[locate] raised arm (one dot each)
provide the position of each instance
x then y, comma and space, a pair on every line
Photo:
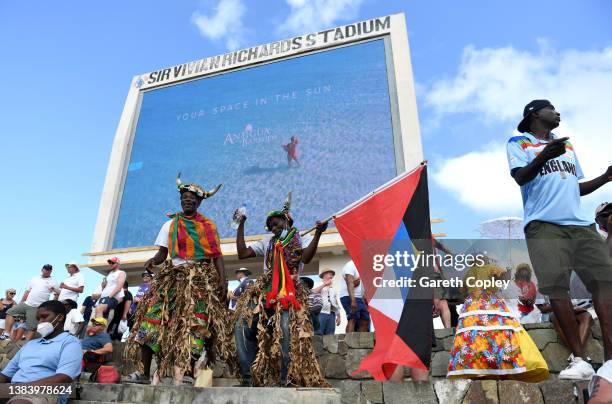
310, 251
244, 252
319, 288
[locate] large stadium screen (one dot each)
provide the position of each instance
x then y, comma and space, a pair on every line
319, 125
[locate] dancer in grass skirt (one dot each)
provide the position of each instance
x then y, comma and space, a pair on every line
184, 313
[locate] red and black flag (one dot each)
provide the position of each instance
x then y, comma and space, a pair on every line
394, 221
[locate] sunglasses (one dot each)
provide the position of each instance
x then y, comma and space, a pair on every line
11, 293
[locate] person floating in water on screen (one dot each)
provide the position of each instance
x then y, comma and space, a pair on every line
273, 331
291, 149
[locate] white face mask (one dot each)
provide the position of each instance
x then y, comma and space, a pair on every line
46, 328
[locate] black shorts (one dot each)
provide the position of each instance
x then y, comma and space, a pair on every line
110, 302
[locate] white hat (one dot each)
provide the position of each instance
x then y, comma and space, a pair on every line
326, 270
72, 263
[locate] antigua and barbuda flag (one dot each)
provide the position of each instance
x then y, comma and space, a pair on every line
394, 220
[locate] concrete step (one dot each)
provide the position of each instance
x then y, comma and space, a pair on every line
439, 390
97, 402
445, 391
133, 393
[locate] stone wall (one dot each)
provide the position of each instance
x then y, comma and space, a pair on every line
339, 356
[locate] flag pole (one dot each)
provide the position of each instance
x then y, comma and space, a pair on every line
360, 200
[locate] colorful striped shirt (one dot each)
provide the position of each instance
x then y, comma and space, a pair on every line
189, 238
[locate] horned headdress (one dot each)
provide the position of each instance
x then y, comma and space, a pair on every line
284, 212
195, 188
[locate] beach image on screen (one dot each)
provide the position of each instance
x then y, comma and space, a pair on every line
318, 125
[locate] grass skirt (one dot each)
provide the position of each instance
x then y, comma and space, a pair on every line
303, 368
182, 315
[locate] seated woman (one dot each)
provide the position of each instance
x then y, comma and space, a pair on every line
52, 359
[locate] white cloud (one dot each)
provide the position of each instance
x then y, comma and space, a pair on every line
313, 15
225, 23
495, 84
480, 179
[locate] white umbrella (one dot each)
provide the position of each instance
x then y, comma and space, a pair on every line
506, 227
503, 228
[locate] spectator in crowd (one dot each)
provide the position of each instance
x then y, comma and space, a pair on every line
5, 305
19, 328
73, 285
37, 292
113, 292
351, 297
242, 276
600, 387
560, 238
543, 304
314, 302
53, 358
97, 340
527, 294
74, 323
583, 311
329, 317
98, 292
89, 304
603, 218
143, 289
97, 345
441, 294
121, 313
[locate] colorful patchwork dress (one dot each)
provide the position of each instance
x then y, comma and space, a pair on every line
176, 318
490, 342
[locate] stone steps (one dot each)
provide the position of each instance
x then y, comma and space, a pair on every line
97, 402
133, 393
461, 392
339, 355
349, 392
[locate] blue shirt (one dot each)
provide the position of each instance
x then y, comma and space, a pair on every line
554, 194
42, 358
96, 341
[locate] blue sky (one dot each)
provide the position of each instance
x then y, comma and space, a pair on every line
66, 69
